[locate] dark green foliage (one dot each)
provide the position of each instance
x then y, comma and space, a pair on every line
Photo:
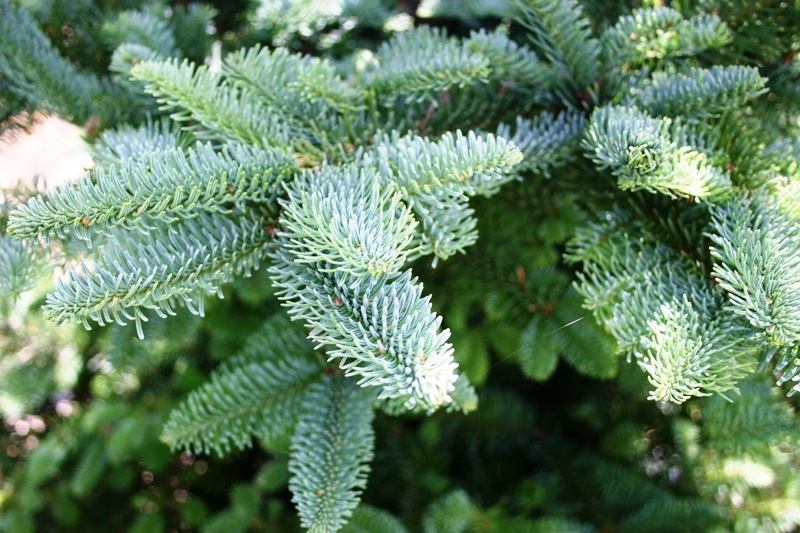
368, 519
68, 48
43, 77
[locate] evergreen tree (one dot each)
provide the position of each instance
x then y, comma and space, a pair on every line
446, 203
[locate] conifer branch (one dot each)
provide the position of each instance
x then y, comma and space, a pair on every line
560, 32
616, 261
192, 25
452, 512
661, 309
468, 164
20, 267
312, 165
518, 67
538, 351
169, 184
124, 58
447, 225
163, 341
116, 146
630, 496
463, 399
172, 263
756, 263
436, 179
309, 20
417, 64
224, 111
701, 93
308, 84
639, 151
785, 151
33, 70
367, 519
584, 344
257, 393
380, 328
468, 11
661, 33
314, 102
758, 427
548, 141
342, 219
331, 451
141, 28
346, 236
689, 354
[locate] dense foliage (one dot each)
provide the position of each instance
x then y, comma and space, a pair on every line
521, 265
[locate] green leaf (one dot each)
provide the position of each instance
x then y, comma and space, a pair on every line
90, 466
582, 343
452, 513
367, 519
45, 460
472, 356
148, 523
538, 349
